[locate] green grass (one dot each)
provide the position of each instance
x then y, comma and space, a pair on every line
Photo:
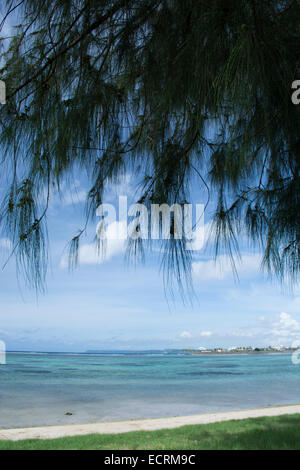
282, 432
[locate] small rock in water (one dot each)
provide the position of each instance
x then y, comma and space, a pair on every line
68, 413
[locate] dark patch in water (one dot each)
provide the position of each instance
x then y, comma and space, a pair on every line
132, 364
212, 373
24, 366
223, 366
34, 371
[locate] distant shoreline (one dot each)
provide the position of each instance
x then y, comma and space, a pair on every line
179, 353
232, 353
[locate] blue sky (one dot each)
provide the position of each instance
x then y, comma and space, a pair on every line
107, 304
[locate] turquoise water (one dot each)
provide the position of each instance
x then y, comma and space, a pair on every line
40, 389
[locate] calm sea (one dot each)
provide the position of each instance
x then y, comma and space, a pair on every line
38, 389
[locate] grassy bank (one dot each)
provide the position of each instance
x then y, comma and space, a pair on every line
281, 432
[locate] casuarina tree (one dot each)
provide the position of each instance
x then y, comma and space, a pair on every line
170, 91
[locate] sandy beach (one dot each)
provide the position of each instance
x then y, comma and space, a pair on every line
51, 432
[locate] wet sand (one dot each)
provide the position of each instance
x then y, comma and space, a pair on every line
51, 432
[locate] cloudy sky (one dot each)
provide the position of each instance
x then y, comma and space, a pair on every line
109, 304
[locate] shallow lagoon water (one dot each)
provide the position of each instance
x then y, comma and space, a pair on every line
38, 389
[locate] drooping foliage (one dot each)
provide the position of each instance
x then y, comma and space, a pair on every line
167, 89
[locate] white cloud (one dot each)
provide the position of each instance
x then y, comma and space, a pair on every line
243, 333
66, 195
5, 244
112, 246
203, 334
221, 269
206, 333
185, 334
282, 329
201, 236
124, 186
286, 326
74, 196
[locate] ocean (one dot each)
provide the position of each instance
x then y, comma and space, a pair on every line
39, 388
